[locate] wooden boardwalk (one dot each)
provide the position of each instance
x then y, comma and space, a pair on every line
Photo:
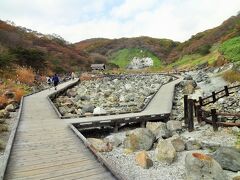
46, 148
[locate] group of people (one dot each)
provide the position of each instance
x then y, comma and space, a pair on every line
54, 80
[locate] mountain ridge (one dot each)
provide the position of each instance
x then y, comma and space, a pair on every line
25, 47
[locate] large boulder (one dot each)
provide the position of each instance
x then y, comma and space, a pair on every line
177, 143
114, 140
165, 151
4, 113
159, 129
174, 125
142, 159
200, 166
139, 139
228, 158
100, 145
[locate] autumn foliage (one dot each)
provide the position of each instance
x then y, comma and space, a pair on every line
19, 92
25, 75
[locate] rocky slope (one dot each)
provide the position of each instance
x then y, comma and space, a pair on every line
127, 93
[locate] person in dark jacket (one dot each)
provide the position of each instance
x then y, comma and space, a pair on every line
55, 80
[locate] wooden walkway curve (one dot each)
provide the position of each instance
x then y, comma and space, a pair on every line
160, 104
46, 148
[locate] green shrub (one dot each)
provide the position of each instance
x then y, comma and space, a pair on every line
204, 50
6, 59
30, 57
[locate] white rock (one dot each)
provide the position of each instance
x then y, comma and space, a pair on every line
99, 110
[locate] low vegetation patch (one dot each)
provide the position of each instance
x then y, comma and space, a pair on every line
192, 60
231, 49
25, 75
123, 57
232, 76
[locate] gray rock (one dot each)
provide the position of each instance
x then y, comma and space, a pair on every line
139, 139
99, 111
114, 140
159, 129
100, 145
165, 151
71, 93
4, 114
193, 144
188, 77
10, 108
200, 166
235, 129
177, 143
174, 125
88, 108
63, 110
84, 98
228, 158
143, 160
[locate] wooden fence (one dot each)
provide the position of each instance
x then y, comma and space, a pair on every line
194, 108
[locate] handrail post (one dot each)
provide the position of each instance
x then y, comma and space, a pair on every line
186, 110
195, 107
190, 115
214, 119
115, 127
226, 90
214, 97
200, 101
199, 114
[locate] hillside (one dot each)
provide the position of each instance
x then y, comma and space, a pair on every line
122, 57
199, 47
106, 47
51, 53
43, 53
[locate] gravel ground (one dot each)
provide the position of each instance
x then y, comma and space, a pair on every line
125, 163
205, 134
4, 136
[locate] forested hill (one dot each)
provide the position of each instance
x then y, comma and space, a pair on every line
24, 47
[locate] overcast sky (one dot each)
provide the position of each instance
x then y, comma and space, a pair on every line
77, 20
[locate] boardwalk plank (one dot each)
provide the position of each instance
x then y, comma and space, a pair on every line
45, 147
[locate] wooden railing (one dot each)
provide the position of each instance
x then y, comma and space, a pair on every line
194, 108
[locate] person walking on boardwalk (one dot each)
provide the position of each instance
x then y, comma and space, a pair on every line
73, 75
55, 80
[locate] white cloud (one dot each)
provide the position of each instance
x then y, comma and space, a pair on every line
76, 20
